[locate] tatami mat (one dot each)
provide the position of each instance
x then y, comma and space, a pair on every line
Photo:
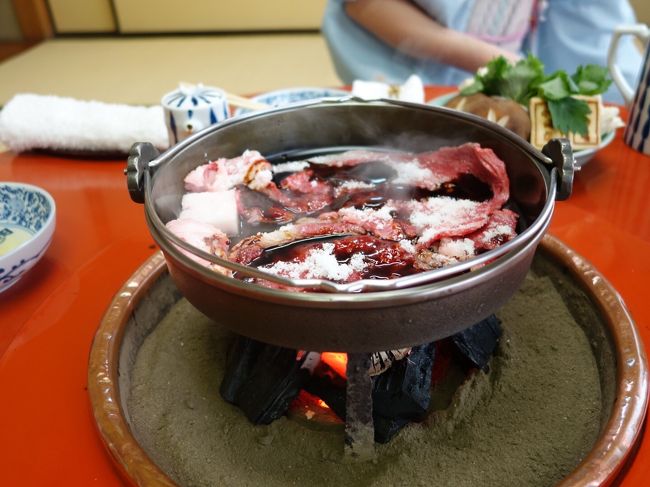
141, 70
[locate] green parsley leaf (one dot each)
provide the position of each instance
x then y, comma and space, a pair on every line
492, 80
591, 79
557, 86
522, 79
570, 115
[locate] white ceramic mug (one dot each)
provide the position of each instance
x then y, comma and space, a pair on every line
637, 130
191, 108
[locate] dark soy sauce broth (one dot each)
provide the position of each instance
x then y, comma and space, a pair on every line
385, 259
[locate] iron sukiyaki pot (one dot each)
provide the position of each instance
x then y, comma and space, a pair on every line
350, 225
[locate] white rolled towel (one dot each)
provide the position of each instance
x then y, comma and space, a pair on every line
29, 122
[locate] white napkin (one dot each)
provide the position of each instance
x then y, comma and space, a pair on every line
31, 121
412, 90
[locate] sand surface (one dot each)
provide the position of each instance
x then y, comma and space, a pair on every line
526, 423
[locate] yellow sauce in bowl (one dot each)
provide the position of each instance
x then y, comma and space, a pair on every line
11, 237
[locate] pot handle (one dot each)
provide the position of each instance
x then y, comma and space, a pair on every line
560, 153
140, 155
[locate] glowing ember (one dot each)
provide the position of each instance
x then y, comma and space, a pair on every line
312, 410
337, 361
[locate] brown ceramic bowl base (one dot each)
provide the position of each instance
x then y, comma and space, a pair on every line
149, 295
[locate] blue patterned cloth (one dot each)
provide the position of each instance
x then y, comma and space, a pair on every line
569, 33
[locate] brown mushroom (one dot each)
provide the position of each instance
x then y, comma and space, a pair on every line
507, 113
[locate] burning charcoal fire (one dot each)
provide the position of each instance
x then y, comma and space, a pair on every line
263, 379
330, 391
478, 342
400, 393
266, 382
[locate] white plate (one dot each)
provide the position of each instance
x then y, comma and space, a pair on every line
581, 157
288, 96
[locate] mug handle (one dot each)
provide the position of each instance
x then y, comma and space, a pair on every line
638, 30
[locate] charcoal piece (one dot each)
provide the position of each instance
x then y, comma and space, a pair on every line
386, 428
329, 391
400, 395
242, 356
266, 381
478, 342
403, 391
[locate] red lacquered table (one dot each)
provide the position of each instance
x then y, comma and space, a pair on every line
48, 319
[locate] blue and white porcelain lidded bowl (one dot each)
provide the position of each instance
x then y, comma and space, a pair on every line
27, 221
192, 108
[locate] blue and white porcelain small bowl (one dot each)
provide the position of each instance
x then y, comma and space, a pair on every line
191, 108
27, 221
288, 96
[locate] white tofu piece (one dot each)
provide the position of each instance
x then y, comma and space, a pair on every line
218, 208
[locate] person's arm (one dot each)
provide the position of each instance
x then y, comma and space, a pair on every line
402, 25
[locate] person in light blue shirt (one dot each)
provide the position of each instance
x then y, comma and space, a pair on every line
446, 41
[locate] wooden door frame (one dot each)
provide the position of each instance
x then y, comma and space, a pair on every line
34, 19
